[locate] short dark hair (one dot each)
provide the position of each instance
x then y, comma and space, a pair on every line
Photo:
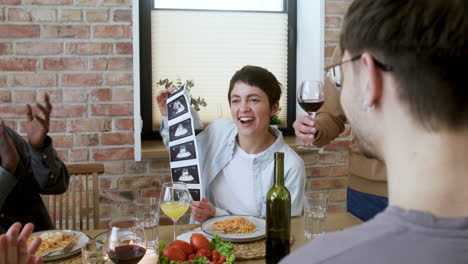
426, 43
259, 77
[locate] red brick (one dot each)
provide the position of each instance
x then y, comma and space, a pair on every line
81, 79
333, 22
2, 16
117, 196
10, 2
87, 140
329, 50
63, 154
2, 80
90, 125
25, 96
115, 167
337, 196
113, 154
338, 145
138, 182
117, 138
336, 8
107, 183
96, 15
332, 35
112, 31
124, 48
75, 95
89, 48
137, 167
79, 155
102, 94
123, 15
38, 48
117, 2
62, 141
327, 158
339, 171
65, 31
124, 124
112, 109
342, 157
328, 184
316, 172
64, 64
6, 48
55, 95
49, 2
118, 78
73, 15
5, 96
19, 31
8, 111
109, 211
159, 165
112, 64
11, 124
68, 110
152, 192
310, 158
123, 94
18, 64
336, 208
35, 79
57, 126
18, 14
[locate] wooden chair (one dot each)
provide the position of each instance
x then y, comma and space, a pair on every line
78, 207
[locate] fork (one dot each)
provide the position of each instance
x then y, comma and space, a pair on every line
66, 249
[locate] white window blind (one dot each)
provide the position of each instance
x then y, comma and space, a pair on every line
209, 46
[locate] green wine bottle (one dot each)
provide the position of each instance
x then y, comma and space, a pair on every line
278, 216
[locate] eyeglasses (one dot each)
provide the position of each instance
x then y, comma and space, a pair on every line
334, 71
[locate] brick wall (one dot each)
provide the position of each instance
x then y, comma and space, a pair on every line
80, 52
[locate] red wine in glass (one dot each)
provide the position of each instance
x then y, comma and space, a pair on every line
127, 254
311, 105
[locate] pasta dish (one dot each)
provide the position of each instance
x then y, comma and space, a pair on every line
53, 240
236, 225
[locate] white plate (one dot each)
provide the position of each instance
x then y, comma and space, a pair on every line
83, 239
207, 227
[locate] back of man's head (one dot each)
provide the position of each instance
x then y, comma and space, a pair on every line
426, 43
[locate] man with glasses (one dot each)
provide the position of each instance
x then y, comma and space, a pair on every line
367, 180
404, 92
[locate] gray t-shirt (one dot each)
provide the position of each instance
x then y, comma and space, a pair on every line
393, 236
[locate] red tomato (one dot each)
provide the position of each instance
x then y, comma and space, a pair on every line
222, 259
199, 241
184, 246
204, 253
215, 255
173, 253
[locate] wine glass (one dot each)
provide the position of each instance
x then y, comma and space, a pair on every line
175, 200
126, 241
310, 97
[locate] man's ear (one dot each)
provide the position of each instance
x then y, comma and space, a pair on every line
373, 90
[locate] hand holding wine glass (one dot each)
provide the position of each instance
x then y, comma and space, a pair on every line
310, 97
175, 200
126, 242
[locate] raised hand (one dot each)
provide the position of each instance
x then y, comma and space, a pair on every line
9, 157
161, 99
202, 210
305, 128
14, 248
38, 125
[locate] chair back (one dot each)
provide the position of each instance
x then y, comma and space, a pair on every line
78, 207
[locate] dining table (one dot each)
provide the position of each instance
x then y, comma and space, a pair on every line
334, 222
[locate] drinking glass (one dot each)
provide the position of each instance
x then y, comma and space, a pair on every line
126, 241
175, 200
94, 252
315, 209
310, 97
147, 212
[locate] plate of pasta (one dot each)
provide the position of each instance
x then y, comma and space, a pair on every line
235, 228
54, 240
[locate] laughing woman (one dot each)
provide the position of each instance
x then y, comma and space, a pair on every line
237, 156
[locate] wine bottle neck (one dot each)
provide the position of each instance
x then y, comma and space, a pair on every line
279, 173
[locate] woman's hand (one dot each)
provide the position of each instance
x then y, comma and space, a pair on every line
14, 248
202, 210
161, 99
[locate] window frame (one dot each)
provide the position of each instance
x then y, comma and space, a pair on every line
146, 91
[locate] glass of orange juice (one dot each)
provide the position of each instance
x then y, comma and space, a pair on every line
175, 200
